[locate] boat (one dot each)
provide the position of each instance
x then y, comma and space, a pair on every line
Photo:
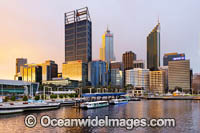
118, 101
9, 108
11, 111
134, 99
97, 104
64, 102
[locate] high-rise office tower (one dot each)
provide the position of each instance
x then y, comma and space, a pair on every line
116, 78
179, 75
157, 82
128, 59
19, 62
138, 77
97, 73
75, 70
153, 48
49, 70
172, 57
107, 48
31, 72
78, 35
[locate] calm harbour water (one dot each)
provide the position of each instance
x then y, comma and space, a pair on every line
186, 113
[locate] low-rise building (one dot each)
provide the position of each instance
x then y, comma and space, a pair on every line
17, 88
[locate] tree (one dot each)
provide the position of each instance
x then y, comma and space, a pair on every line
25, 98
13, 98
37, 97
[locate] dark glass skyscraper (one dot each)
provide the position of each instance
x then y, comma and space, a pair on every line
153, 48
78, 35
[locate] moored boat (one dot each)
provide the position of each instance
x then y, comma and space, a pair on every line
118, 101
21, 107
97, 104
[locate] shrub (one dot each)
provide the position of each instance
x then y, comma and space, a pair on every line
53, 96
6, 99
25, 98
61, 95
37, 97
73, 95
13, 98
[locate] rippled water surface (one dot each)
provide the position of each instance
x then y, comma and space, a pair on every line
186, 113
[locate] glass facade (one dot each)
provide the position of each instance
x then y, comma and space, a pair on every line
13, 87
97, 73
75, 70
78, 36
32, 73
107, 49
49, 70
138, 77
116, 77
153, 48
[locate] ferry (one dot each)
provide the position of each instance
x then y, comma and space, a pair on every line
118, 101
97, 104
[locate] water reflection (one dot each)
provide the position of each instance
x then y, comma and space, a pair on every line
186, 114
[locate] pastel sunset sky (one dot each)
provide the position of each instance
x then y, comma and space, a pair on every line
34, 29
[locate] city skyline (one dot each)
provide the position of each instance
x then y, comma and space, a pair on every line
33, 46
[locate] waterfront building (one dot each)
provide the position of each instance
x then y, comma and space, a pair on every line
172, 57
19, 62
179, 75
49, 70
17, 88
128, 59
78, 35
107, 48
138, 78
153, 48
116, 78
138, 64
97, 73
75, 70
157, 82
31, 72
